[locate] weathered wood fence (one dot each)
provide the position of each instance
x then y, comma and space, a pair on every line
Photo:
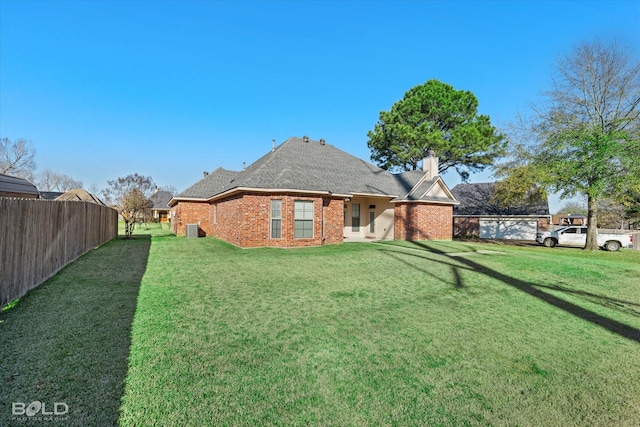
40, 237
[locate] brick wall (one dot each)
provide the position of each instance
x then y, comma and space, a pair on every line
245, 220
417, 221
466, 227
189, 213
333, 220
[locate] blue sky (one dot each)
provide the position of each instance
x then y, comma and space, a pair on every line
171, 89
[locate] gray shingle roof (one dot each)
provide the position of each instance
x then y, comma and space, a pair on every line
10, 185
475, 199
307, 166
160, 199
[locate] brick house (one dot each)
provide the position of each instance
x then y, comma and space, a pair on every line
479, 216
309, 193
160, 205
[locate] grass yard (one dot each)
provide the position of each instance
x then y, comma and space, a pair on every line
169, 331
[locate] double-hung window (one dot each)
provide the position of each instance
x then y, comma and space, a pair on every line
303, 219
276, 219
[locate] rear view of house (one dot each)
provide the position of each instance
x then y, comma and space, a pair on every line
309, 193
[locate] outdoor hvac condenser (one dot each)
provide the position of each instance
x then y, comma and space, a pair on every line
192, 231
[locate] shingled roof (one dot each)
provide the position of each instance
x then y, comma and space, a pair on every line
79, 195
475, 200
160, 200
307, 165
11, 186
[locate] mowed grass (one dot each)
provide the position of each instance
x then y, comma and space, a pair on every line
425, 333
441, 333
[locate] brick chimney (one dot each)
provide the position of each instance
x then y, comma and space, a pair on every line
430, 164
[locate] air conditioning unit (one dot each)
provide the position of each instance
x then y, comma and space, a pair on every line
192, 231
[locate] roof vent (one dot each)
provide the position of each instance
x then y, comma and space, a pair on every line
322, 141
205, 173
305, 138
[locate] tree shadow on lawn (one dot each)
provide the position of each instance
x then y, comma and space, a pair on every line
535, 290
67, 341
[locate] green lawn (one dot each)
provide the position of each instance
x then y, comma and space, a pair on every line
167, 331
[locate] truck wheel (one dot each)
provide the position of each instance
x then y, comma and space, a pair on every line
612, 246
549, 242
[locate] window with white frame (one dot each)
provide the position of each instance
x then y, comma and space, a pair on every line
303, 219
276, 219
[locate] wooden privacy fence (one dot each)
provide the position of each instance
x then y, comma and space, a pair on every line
40, 237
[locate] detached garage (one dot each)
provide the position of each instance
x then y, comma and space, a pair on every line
508, 228
479, 216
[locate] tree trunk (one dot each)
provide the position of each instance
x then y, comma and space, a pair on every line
128, 229
592, 224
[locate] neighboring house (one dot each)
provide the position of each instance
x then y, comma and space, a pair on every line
569, 219
11, 186
79, 195
50, 195
309, 193
478, 215
160, 205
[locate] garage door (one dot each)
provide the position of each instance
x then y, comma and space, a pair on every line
508, 229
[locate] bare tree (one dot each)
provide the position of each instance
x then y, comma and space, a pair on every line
16, 158
573, 207
169, 189
51, 181
130, 196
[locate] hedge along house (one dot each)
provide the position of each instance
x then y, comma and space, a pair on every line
309, 193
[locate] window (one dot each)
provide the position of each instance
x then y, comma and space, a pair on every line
276, 219
372, 222
355, 217
303, 219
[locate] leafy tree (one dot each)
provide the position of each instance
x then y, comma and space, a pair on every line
435, 116
16, 158
632, 211
130, 196
573, 208
612, 214
585, 140
51, 181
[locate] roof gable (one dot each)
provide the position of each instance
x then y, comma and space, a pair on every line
79, 195
476, 199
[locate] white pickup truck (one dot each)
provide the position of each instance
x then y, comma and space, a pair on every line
577, 236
